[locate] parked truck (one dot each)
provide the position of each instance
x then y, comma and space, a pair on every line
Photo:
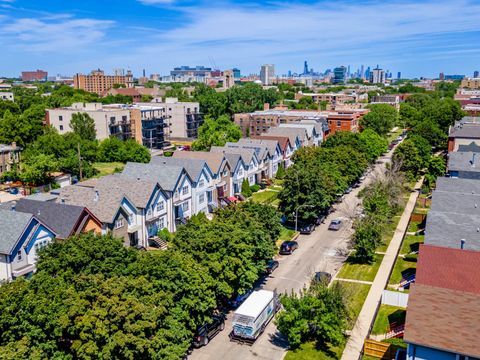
253, 316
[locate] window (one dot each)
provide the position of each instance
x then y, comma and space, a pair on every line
61, 127
240, 172
149, 212
119, 223
19, 255
185, 206
251, 179
131, 219
201, 183
161, 223
60, 118
224, 173
185, 190
124, 118
339, 123
160, 206
201, 199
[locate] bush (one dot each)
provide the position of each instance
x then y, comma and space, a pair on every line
168, 153
255, 188
280, 175
246, 191
411, 257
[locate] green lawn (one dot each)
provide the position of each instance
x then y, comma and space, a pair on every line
386, 315
285, 234
265, 197
401, 267
355, 295
413, 226
107, 168
411, 243
388, 232
309, 351
365, 272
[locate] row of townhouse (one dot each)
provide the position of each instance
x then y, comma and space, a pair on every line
143, 199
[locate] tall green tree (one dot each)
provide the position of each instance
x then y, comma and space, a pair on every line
216, 132
84, 126
381, 118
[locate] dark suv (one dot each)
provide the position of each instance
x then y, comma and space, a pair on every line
208, 331
288, 247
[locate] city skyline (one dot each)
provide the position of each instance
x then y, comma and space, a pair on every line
418, 39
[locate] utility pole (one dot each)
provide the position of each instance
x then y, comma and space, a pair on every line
80, 162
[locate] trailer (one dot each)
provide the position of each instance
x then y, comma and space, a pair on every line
253, 316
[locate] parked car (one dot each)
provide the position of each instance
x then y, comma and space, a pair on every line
362, 178
271, 266
322, 277
305, 228
320, 220
288, 247
207, 331
357, 184
335, 224
349, 190
239, 299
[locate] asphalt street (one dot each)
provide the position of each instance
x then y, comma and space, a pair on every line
323, 250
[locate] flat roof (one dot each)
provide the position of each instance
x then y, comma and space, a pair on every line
255, 303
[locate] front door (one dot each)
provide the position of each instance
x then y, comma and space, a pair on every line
133, 238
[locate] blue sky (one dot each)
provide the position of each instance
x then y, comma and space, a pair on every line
418, 38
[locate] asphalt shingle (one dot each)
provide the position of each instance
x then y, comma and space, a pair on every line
12, 226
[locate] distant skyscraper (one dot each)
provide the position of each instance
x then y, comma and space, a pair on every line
362, 72
289, 73
236, 73
339, 74
305, 68
399, 75
348, 71
476, 74
377, 76
441, 76
267, 73
367, 73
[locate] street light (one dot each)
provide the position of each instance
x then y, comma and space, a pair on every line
296, 214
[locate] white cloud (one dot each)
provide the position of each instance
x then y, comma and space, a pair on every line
58, 32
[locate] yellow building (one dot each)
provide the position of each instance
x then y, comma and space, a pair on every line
99, 83
471, 83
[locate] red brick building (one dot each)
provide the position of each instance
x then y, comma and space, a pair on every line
38, 75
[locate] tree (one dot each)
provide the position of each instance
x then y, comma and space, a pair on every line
374, 143
15, 128
318, 314
246, 191
408, 157
365, 240
216, 132
84, 126
381, 118
280, 175
38, 168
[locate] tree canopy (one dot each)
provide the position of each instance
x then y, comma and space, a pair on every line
84, 126
381, 118
216, 132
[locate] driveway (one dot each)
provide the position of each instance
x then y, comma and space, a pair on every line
323, 250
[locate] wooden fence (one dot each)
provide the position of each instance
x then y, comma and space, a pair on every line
379, 350
416, 217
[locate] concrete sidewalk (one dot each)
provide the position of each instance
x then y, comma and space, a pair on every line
354, 346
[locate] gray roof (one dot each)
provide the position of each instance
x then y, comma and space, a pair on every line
246, 154
12, 226
166, 175
262, 152
458, 185
472, 147
233, 160
194, 167
447, 229
454, 202
138, 191
41, 197
469, 131
292, 134
464, 161
61, 218
310, 128
213, 160
271, 145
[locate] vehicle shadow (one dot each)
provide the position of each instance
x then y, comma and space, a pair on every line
278, 339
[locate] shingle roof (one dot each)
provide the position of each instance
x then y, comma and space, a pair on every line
310, 128
262, 152
138, 191
282, 140
464, 161
194, 167
458, 185
214, 160
270, 144
292, 134
443, 319
472, 147
448, 268
447, 229
61, 218
12, 225
468, 131
166, 175
246, 154
460, 203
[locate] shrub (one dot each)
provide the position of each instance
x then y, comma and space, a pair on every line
246, 191
280, 175
254, 188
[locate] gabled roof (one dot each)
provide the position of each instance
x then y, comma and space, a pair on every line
293, 135
443, 319
310, 128
61, 218
247, 154
283, 141
105, 208
194, 167
464, 161
454, 269
472, 147
139, 191
167, 176
270, 144
214, 160
12, 225
262, 152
